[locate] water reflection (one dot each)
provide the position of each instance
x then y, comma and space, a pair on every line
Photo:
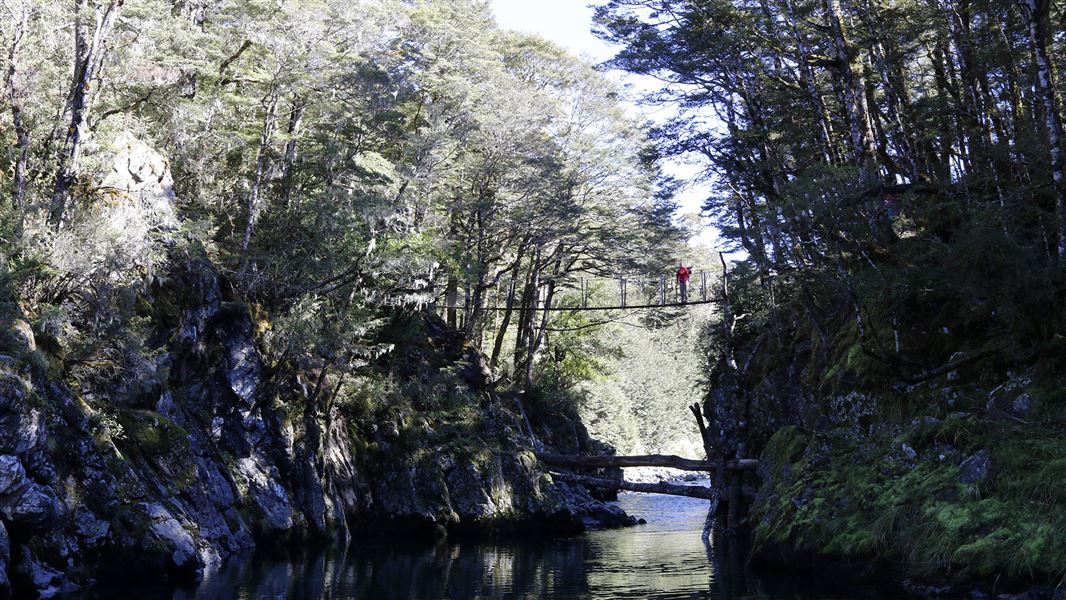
664, 559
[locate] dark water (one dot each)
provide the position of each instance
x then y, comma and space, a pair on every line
663, 559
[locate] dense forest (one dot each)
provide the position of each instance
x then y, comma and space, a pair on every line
897, 158
894, 171
273, 270
330, 158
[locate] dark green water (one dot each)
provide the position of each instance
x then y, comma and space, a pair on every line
663, 559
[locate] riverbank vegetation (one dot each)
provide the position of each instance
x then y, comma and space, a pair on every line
893, 172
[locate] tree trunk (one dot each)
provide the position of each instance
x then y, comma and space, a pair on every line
88, 56
22, 132
705, 434
904, 138
1018, 114
527, 308
451, 301
824, 125
1035, 14
854, 98
945, 121
537, 339
497, 346
254, 205
296, 113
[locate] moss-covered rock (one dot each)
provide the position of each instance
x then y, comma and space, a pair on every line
146, 432
901, 497
222, 453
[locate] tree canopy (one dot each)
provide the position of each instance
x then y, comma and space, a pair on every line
332, 157
890, 168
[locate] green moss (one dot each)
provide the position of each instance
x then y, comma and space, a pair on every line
864, 500
260, 319
149, 433
784, 447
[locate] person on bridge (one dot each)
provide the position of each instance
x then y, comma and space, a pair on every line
683, 274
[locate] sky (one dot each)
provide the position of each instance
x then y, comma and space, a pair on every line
569, 24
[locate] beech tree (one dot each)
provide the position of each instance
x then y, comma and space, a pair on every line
91, 38
332, 157
877, 161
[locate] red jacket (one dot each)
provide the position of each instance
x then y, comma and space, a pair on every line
683, 274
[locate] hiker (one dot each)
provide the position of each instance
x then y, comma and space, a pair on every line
683, 274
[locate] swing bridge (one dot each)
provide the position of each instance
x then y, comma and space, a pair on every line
597, 294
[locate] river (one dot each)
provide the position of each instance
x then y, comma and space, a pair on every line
663, 559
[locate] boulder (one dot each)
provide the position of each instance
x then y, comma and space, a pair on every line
909, 453
924, 420
602, 515
169, 532
975, 468
467, 492
13, 393
852, 409
1022, 404
263, 490
22, 501
143, 176
90, 529
24, 334
46, 581
11, 473
236, 333
199, 283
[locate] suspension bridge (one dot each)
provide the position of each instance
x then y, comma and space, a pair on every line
624, 292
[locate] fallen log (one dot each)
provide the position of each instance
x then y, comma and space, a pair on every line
642, 460
672, 489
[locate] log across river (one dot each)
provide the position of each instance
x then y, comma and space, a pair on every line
670, 489
643, 460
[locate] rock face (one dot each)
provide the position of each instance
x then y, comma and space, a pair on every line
214, 455
23, 503
142, 175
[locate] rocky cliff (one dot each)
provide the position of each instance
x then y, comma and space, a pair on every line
209, 451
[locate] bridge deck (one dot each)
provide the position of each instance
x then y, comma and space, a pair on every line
585, 308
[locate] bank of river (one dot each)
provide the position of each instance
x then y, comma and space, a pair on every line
663, 559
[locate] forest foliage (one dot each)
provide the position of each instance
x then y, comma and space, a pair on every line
332, 158
891, 168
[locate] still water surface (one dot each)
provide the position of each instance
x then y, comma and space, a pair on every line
663, 559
